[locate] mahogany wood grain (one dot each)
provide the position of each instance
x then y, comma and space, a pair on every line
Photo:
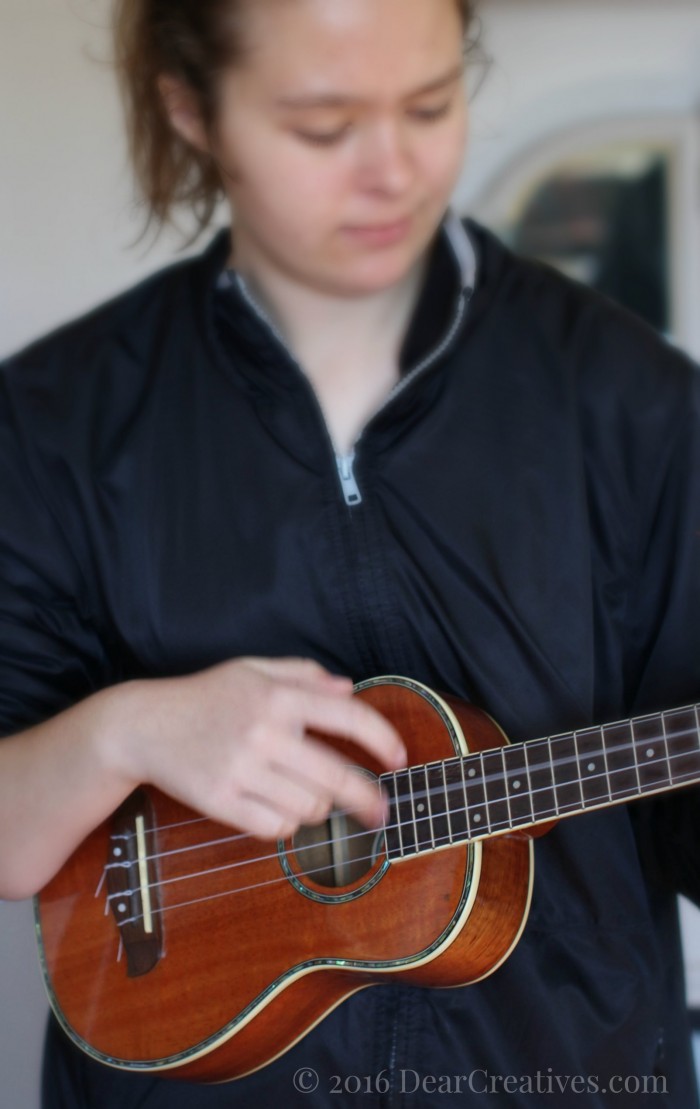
242, 975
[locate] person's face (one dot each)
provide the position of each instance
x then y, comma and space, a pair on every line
341, 135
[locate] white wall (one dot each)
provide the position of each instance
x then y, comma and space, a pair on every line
68, 218
65, 192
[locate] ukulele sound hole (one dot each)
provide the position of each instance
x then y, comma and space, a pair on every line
338, 852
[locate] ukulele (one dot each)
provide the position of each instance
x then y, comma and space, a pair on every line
175, 945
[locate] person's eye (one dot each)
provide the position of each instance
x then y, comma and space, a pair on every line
323, 138
429, 115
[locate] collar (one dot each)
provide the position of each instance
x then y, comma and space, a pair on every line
462, 248
450, 281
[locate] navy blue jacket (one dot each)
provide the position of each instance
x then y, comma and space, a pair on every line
524, 533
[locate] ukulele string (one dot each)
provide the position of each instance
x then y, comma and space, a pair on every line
543, 742
167, 827
416, 794
485, 778
284, 878
492, 828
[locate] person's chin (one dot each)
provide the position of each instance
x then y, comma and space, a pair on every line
369, 283
371, 271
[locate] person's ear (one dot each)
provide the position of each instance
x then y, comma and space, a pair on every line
180, 102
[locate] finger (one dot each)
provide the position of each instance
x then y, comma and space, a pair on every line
300, 799
353, 719
332, 779
256, 816
363, 797
301, 671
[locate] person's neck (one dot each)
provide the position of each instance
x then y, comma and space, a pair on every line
317, 324
348, 346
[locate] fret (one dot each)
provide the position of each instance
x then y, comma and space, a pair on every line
464, 797
518, 785
404, 808
577, 755
605, 760
681, 729
412, 810
541, 781
567, 787
651, 753
620, 760
504, 780
429, 805
477, 811
634, 756
551, 768
498, 816
421, 821
506, 789
392, 832
456, 800
447, 805
435, 778
595, 787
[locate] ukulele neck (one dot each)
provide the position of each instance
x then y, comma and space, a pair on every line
523, 785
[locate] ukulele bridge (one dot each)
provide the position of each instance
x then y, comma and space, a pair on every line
132, 884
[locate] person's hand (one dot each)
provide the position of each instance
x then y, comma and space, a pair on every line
233, 743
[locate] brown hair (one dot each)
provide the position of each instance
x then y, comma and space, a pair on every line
193, 40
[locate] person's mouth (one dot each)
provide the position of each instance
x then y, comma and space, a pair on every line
379, 234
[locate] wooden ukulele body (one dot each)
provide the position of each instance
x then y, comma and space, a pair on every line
248, 952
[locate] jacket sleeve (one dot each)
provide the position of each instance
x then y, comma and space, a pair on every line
51, 651
663, 648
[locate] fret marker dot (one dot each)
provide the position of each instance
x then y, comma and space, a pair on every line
122, 907
516, 785
650, 753
591, 767
477, 818
117, 852
472, 773
420, 807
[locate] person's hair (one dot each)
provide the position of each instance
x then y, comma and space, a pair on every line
193, 41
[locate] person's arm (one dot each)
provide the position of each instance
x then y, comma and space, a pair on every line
232, 742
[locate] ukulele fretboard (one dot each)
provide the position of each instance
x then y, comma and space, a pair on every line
523, 784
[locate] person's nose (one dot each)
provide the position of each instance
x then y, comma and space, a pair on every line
386, 163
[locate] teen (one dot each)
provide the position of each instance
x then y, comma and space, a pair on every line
351, 438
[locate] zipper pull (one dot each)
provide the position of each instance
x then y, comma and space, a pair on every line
351, 490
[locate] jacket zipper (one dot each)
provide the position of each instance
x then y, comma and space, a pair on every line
345, 463
348, 482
